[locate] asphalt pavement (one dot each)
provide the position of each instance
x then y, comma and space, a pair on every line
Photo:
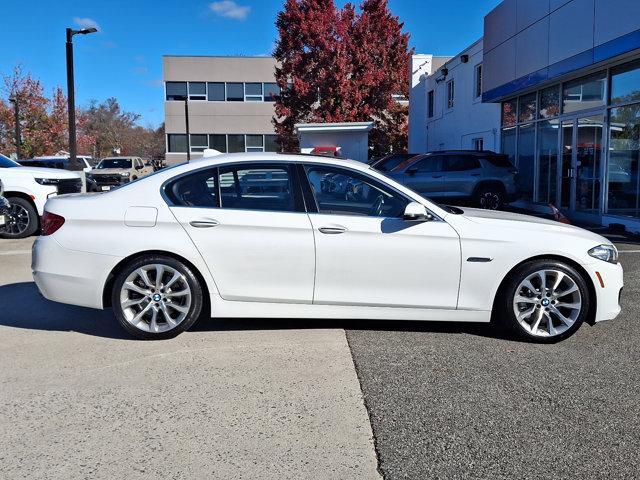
228, 400
461, 402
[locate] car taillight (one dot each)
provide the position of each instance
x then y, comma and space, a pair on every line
51, 223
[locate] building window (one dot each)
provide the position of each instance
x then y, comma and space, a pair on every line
235, 143
625, 83
549, 102
271, 143
585, 93
430, 104
271, 92
255, 143
235, 92
197, 91
177, 143
215, 92
218, 142
253, 92
510, 113
176, 90
526, 158
451, 93
527, 108
478, 144
624, 161
478, 81
199, 142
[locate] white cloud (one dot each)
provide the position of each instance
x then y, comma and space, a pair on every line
230, 9
86, 22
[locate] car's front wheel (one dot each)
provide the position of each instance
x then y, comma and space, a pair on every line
490, 198
156, 297
22, 220
544, 301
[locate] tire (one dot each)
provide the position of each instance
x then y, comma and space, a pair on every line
490, 197
23, 220
570, 299
158, 299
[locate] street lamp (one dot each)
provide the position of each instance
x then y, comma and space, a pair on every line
71, 101
16, 114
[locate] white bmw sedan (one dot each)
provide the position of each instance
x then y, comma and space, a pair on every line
296, 236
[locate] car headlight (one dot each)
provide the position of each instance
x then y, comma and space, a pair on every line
125, 174
606, 253
47, 181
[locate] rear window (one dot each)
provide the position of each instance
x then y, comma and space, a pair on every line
499, 161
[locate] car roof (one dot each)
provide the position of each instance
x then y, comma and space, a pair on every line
120, 158
465, 152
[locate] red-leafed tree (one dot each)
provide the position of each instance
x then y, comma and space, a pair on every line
340, 65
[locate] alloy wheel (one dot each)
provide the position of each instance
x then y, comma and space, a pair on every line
17, 220
155, 298
490, 201
547, 303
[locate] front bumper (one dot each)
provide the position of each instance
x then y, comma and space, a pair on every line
607, 297
69, 276
108, 182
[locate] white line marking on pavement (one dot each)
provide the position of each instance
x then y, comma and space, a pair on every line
15, 252
628, 251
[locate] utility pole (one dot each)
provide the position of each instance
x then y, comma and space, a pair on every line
186, 122
16, 120
71, 101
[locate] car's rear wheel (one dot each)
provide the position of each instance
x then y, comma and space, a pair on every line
22, 220
544, 301
156, 297
490, 197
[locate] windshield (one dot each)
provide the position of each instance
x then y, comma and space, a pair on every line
7, 162
115, 163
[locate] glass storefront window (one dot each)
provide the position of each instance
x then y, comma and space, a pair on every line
625, 83
549, 102
584, 93
526, 158
510, 112
528, 108
624, 156
509, 143
548, 160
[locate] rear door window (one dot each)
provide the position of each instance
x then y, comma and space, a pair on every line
460, 163
259, 187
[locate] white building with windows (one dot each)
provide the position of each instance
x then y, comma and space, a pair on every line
560, 95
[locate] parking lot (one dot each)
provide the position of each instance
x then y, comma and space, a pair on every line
281, 399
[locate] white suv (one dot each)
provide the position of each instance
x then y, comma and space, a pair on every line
27, 189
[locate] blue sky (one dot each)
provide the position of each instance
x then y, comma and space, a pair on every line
124, 60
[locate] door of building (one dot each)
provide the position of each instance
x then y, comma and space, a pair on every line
581, 153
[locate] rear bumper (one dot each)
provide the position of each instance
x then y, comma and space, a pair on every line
68, 276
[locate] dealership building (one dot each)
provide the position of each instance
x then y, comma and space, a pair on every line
555, 85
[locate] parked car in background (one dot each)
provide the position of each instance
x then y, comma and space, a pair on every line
4, 208
28, 189
112, 172
253, 234
82, 165
484, 178
389, 162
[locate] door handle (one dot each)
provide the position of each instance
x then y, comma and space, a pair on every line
475, 174
204, 223
437, 176
332, 230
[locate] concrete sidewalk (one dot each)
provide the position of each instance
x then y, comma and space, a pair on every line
80, 399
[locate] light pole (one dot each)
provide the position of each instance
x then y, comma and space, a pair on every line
16, 116
71, 101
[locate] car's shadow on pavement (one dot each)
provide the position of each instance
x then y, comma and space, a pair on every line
22, 306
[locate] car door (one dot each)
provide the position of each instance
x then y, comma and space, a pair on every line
425, 176
461, 174
248, 222
367, 255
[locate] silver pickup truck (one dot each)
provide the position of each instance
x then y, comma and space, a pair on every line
112, 172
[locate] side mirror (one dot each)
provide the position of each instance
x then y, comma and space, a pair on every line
416, 212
